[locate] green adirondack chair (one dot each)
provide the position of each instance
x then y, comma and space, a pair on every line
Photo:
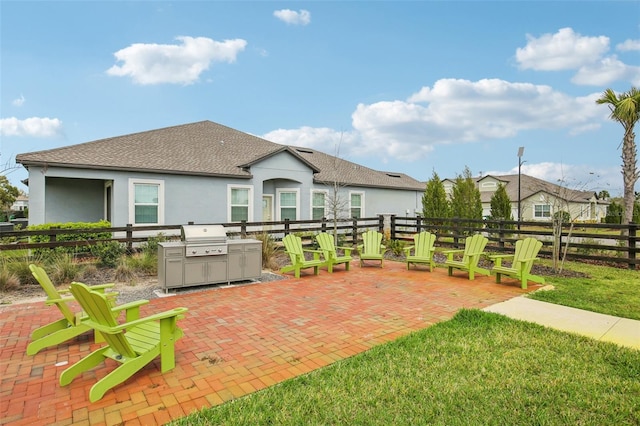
293, 247
325, 241
473, 249
144, 340
71, 324
371, 247
521, 262
423, 249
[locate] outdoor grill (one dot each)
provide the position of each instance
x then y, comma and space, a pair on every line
204, 240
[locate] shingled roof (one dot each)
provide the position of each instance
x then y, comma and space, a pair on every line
530, 185
209, 149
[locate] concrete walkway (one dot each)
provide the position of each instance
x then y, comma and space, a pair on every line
607, 328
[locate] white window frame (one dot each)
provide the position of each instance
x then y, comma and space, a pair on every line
132, 200
362, 211
312, 207
230, 188
538, 217
278, 206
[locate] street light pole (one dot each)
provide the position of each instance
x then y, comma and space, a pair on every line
520, 152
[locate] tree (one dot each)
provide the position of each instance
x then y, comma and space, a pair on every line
501, 204
435, 203
604, 195
8, 194
465, 199
614, 213
625, 109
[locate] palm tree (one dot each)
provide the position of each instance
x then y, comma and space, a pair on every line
625, 109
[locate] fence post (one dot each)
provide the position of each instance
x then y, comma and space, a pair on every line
392, 227
632, 244
354, 232
243, 229
286, 227
501, 234
129, 237
456, 232
381, 223
323, 226
418, 224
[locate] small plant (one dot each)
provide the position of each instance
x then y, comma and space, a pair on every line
145, 262
20, 268
268, 250
8, 281
108, 254
395, 246
587, 250
64, 269
125, 273
151, 246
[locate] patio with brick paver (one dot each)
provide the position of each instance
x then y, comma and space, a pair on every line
237, 340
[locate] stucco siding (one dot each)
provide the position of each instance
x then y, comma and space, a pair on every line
74, 200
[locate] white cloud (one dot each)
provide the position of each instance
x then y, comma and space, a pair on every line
561, 51
606, 71
452, 111
37, 127
321, 138
291, 17
567, 50
19, 101
628, 45
174, 63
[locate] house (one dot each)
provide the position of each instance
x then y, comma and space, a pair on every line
539, 199
20, 204
205, 172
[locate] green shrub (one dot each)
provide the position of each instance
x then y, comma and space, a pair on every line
395, 246
151, 246
84, 236
20, 268
108, 253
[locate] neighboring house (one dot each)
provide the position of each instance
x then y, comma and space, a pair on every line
205, 173
20, 204
539, 199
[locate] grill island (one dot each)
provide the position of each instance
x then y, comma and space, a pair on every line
206, 256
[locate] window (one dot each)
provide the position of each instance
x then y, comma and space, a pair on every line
240, 203
318, 204
542, 211
146, 202
288, 204
356, 204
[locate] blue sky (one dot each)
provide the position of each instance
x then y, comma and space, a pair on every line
399, 86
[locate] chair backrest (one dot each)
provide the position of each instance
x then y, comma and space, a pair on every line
423, 243
52, 294
293, 247
98, 309
372, 240
527, 248
325, 241
473, 245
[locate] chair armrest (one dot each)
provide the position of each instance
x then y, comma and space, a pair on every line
62, 299
129, 305
450, 253
527, 260
176, 312
407, 250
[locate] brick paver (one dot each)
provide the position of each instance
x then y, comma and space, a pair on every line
237, 340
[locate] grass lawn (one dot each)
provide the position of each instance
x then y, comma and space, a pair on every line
607, 290
478, 368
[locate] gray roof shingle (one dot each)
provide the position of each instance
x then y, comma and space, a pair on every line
206, 148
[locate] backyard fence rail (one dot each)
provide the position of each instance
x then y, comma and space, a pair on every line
610, 243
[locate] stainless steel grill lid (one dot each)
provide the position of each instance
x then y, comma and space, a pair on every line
204, 234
